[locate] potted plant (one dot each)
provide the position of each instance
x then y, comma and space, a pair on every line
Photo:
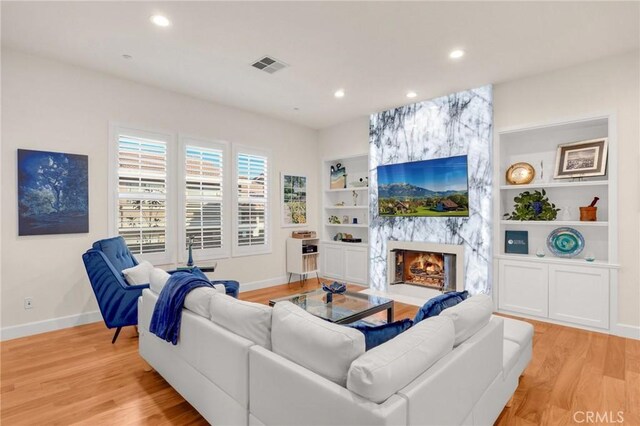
533, 206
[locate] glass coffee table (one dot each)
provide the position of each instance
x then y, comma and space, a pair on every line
345, 308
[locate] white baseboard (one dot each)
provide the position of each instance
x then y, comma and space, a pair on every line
37, 327
626, 330
256, 285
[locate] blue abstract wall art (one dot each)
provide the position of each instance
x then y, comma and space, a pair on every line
53, 193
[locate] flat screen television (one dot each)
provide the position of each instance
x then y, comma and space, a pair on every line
429, 188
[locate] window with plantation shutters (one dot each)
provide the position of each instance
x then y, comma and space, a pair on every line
204, 197
251, 232
142, 194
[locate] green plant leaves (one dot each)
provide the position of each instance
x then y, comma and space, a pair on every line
523, 208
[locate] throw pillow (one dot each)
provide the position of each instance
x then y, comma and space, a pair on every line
435, 306
158, 279
375, 335
138, 274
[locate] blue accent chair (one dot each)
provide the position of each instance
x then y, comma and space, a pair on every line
118, 300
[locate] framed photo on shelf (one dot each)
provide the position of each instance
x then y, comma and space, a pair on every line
294, 200
582, 159
338, 177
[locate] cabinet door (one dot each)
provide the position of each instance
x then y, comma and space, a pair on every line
579, 294
523, 287
355, 265
332, 264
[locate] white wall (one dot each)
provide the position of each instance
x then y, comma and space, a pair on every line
53, 106
350, 138
603, 86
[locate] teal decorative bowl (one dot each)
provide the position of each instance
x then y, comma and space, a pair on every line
565, 242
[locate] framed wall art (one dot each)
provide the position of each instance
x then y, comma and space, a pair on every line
582, 159
294, 200
53, 193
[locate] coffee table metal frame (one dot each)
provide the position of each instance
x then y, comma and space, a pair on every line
356, 316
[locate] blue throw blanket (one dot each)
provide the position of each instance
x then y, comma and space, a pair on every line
167, 315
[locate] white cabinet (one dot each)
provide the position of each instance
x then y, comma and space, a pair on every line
562, 292
523, 287
344, 262
355, 265
579, 295
332, 261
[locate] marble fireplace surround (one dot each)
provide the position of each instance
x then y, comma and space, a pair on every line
457, 124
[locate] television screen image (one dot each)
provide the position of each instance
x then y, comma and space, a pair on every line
429, 188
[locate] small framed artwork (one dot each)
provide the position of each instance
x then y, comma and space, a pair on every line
516, 242
294, 200
53, 193
582, 159
338, 177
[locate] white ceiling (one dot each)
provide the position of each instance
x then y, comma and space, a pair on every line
375, 51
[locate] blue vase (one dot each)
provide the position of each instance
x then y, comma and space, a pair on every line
537, 207
190, 260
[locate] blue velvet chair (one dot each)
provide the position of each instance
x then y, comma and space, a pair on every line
118, 301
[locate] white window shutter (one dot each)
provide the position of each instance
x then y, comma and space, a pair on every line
252, 203
204, 203
142, 194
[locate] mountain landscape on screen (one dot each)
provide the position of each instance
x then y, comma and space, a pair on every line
424, 188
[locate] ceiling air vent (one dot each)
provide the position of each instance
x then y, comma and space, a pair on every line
268, 64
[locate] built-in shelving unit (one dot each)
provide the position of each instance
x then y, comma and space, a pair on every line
344, 260
552, 223
565, 290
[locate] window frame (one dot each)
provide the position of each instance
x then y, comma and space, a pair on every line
239, 251
204, 254
116, 130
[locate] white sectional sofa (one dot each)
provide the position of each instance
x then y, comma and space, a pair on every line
249, 364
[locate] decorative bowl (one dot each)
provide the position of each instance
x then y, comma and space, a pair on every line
335, 287
565, 242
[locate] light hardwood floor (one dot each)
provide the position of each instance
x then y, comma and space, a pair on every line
77, 376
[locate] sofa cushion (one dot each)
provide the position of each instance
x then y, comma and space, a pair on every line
247, 319
138, 274
158, 279
386, 369
326, 349
438, 304
375, 335
511, 351
518, 331
198, 300
470, 316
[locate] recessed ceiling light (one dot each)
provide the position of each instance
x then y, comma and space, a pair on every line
339, 93
160, 20
411, 94
127, 57
456, 54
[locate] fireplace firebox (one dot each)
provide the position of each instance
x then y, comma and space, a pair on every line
425, 269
